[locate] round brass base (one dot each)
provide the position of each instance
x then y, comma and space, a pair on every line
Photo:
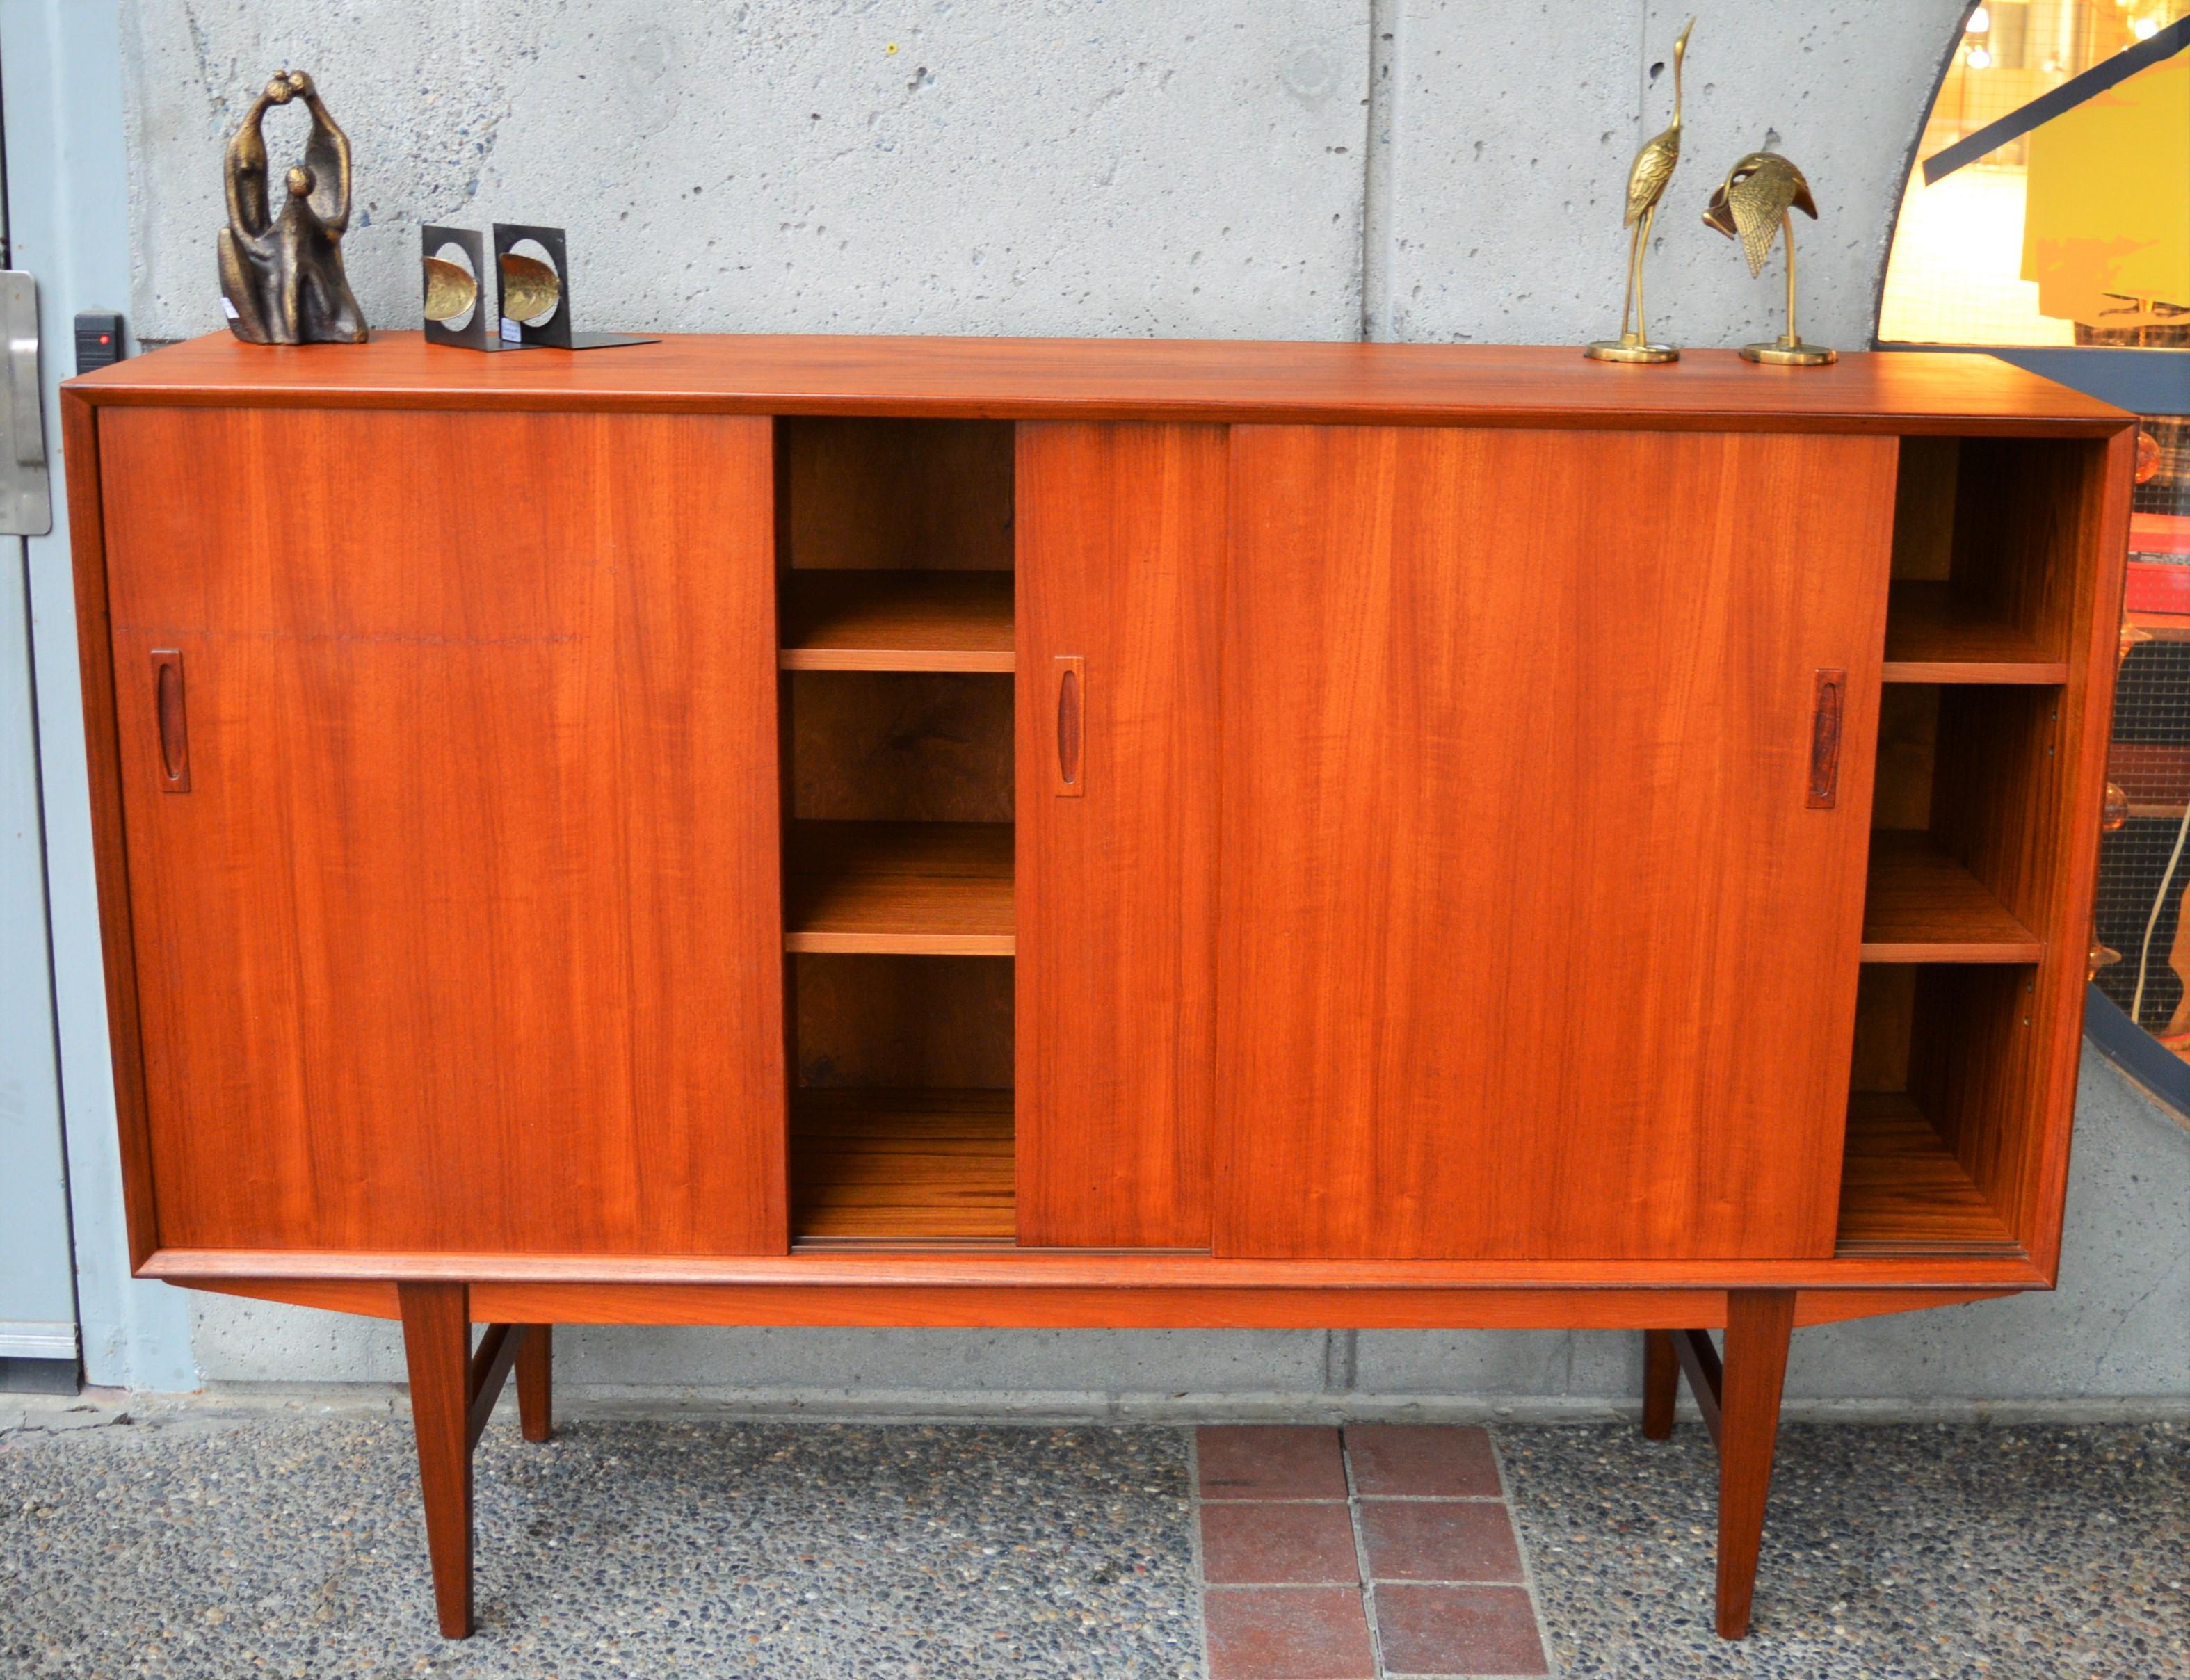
1779, 353
1630, 348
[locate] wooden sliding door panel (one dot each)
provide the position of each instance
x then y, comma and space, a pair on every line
1120, 578
1538, 935
466, 934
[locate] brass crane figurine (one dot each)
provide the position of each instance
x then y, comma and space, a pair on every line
1754, 204
1646, 180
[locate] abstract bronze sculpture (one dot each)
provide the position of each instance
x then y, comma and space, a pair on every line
282, 277
1753, 204
1648, 178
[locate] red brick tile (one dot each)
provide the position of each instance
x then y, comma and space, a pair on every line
1440, 1539
1288, 1633
1459, 1630
1266, 1543
1256, 1462
1421, 1461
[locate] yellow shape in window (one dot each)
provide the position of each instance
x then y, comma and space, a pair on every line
2105, 231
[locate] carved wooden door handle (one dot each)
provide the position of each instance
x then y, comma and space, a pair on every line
1829, 700
1070, 677
172, 720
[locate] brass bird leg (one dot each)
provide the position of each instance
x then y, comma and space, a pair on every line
1787, 230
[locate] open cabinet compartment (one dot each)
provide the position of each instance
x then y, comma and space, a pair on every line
1963, 861
1943, 1109
1986, 536
895, 568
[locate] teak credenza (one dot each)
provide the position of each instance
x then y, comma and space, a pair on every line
1043, 833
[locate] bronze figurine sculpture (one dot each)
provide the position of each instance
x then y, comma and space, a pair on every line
281, 278
1754, 204
1648, 178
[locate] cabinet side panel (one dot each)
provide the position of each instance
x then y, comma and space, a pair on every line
1121, 567
95, 669
1539, 938
466, 933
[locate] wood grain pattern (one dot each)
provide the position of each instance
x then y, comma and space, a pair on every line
1933, 634
895, 495
2030, 1183
95, 657
1920, 905
536, 1382
872, 746
890, 1021
1505, 759
910, 1168
476, 885
1127, 379
1758, 1326
1121, 567
896, 621
1125, 1274
437, 1340
1903, 1191
1662, 1384
917, 888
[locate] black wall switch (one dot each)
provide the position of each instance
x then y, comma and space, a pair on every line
97, 341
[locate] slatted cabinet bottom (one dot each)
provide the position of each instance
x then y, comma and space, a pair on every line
914, 1169
1903, 1190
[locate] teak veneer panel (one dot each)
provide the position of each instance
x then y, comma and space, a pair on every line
1121, 568
1531, 944
466, 935
1936, 634
896, 621
917, 1168
1127, 379
911, 888
1920, 905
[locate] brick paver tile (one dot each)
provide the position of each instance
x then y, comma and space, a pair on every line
1272, 1462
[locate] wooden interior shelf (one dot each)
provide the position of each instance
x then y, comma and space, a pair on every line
1936, 634
921, 1169
896, 621
911, 888
1904, 1192
1920, 905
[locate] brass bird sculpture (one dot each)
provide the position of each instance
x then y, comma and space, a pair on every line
1648, 177
1754, 204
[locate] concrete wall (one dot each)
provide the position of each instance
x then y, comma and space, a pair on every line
1304, 169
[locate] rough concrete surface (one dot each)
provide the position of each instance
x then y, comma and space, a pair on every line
190, 1545
834, 167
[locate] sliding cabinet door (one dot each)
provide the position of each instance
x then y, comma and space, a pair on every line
1120, 575
448, 767
1536, 942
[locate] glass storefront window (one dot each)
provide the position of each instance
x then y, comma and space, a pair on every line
2047, 216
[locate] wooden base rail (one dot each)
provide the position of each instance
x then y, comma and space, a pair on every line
453, 1389
1740, 1399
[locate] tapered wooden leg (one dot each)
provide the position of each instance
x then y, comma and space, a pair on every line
1759, 1324
1661, 1384
437, 1337
536, 1363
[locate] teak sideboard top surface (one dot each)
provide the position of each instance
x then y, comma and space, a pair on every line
1299, 834
1217, 381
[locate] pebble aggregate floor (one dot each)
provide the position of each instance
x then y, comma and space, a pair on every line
203, 1543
